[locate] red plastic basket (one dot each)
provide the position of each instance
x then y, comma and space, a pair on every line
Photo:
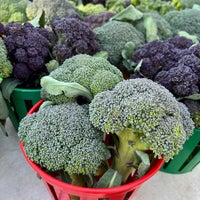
62, 191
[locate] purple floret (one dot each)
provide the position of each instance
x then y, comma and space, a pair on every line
180, 42
76, 36
21, 71
181, 81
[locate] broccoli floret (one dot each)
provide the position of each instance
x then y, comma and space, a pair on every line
28, 51
5, 64
113, 36
115, 5
182, 4
95, 74
74, 37
53, 9
91, 9
184, 20
144, 116
13, 11
181, 81
94, 21
61, 137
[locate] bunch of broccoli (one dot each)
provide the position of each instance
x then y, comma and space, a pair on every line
174, 63
52, 9
74, 37
88, 74
61, 138
94, 21
13, 10
143, 115
184, 20
113, 36
28, 51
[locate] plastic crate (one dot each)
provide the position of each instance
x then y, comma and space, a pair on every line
188, 157
21, 101
63, 191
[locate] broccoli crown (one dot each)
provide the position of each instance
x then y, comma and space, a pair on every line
148, 109
28, 51
91, 9
53, 9
5, 65
13, 11
75, 37
184, 20
94, 21
113, 36
94, 73
174, 63
61, 137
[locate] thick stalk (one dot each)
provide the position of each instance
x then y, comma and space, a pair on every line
129, 142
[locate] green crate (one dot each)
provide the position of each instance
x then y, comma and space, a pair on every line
21, 101
188, 157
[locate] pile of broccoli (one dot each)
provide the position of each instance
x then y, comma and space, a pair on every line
143, 115
91, 75
28, 51
74, 37
13, 10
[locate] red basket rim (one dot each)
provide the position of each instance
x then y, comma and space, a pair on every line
155, 166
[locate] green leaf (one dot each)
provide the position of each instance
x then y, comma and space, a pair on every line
191, 97
69, 89
102, 54
7, 87
39, 20
111, 178
144, 157
151, 29
128, 14
3, 108
2, 129
137, 68
142, 169
194, 38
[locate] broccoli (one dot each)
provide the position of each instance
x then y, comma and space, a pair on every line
5, 64
53, 9
91, 9
187, 20
61, 138
95, 74
115, 5
74, 37
28, 51
143, 115
182, 4
162, 7
13, 11
113, 36
94, 21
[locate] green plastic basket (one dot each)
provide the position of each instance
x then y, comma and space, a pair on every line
188, 157
21, 101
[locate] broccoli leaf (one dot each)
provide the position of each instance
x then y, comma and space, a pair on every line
192, 97
39, 20
111, 178
128, 14
70, 89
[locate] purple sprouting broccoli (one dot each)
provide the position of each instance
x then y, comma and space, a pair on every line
94, 21
181, 80
28, 51
74, 37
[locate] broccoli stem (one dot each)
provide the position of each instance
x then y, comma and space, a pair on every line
129, 143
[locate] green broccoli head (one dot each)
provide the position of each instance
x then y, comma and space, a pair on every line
95, 74
148, 110
13, 11
184, 20
52, 9
113, 36
61, 137
5, 65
